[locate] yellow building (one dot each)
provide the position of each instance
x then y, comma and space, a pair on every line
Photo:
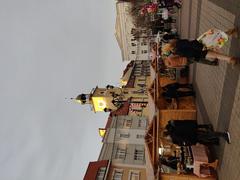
134, 82
109, 99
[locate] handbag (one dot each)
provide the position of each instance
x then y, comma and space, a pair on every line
213, 39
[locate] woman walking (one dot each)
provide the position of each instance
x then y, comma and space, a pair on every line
183, 49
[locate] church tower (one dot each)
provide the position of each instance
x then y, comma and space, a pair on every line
103, 99
111, 98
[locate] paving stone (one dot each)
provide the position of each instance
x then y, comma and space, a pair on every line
218, 88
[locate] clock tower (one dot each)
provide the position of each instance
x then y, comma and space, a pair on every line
111, 98
103, 99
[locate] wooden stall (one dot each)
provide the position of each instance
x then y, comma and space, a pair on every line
190, 166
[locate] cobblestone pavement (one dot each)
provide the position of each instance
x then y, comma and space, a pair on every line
217, 87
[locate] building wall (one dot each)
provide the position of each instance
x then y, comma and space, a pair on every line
124, 141
138, 109
132, 49
142, 68
127, 172
137, 122
103, 97
93, 169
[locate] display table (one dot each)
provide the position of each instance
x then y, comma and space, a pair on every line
200, 160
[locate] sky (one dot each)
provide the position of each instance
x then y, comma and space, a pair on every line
51, 50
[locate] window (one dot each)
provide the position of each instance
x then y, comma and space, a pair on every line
117, 174
142, 80
144, 51
134, 175
141, 85
121, 153
128, 123
126, 135
138, 154
143, 43
133, 52
141, 123
120, 123
101, 173
140, 91
136, 108
140, 136
133, 44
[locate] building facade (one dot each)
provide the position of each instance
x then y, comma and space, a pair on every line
124, 134
123, 142
123, 145
97, 170
137, 75
134, 83
123, 148
132, 47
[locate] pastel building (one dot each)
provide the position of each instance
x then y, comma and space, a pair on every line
132, 47
123, 148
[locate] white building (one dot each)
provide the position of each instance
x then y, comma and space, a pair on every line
123, 142
131, 48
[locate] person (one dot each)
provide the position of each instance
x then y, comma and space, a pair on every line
216, 38
169, 36
185, 49
188, 132
194, 49
162, 25
170, 161
173, 91
170, 3
176, 86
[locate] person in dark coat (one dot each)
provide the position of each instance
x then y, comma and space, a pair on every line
188, 132
195, 50
172, 91
171, 161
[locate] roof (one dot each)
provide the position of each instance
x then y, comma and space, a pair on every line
149, 165
120, 29
152, 107
130, 83
109, 121
127, 67
127, 76
123, 110
154, 64
151, 144
93, 168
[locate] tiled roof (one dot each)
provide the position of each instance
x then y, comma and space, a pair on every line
127, 67
123, 110
130, 83
93, 168
109, 121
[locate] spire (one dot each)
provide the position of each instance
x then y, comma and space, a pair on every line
82, 98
